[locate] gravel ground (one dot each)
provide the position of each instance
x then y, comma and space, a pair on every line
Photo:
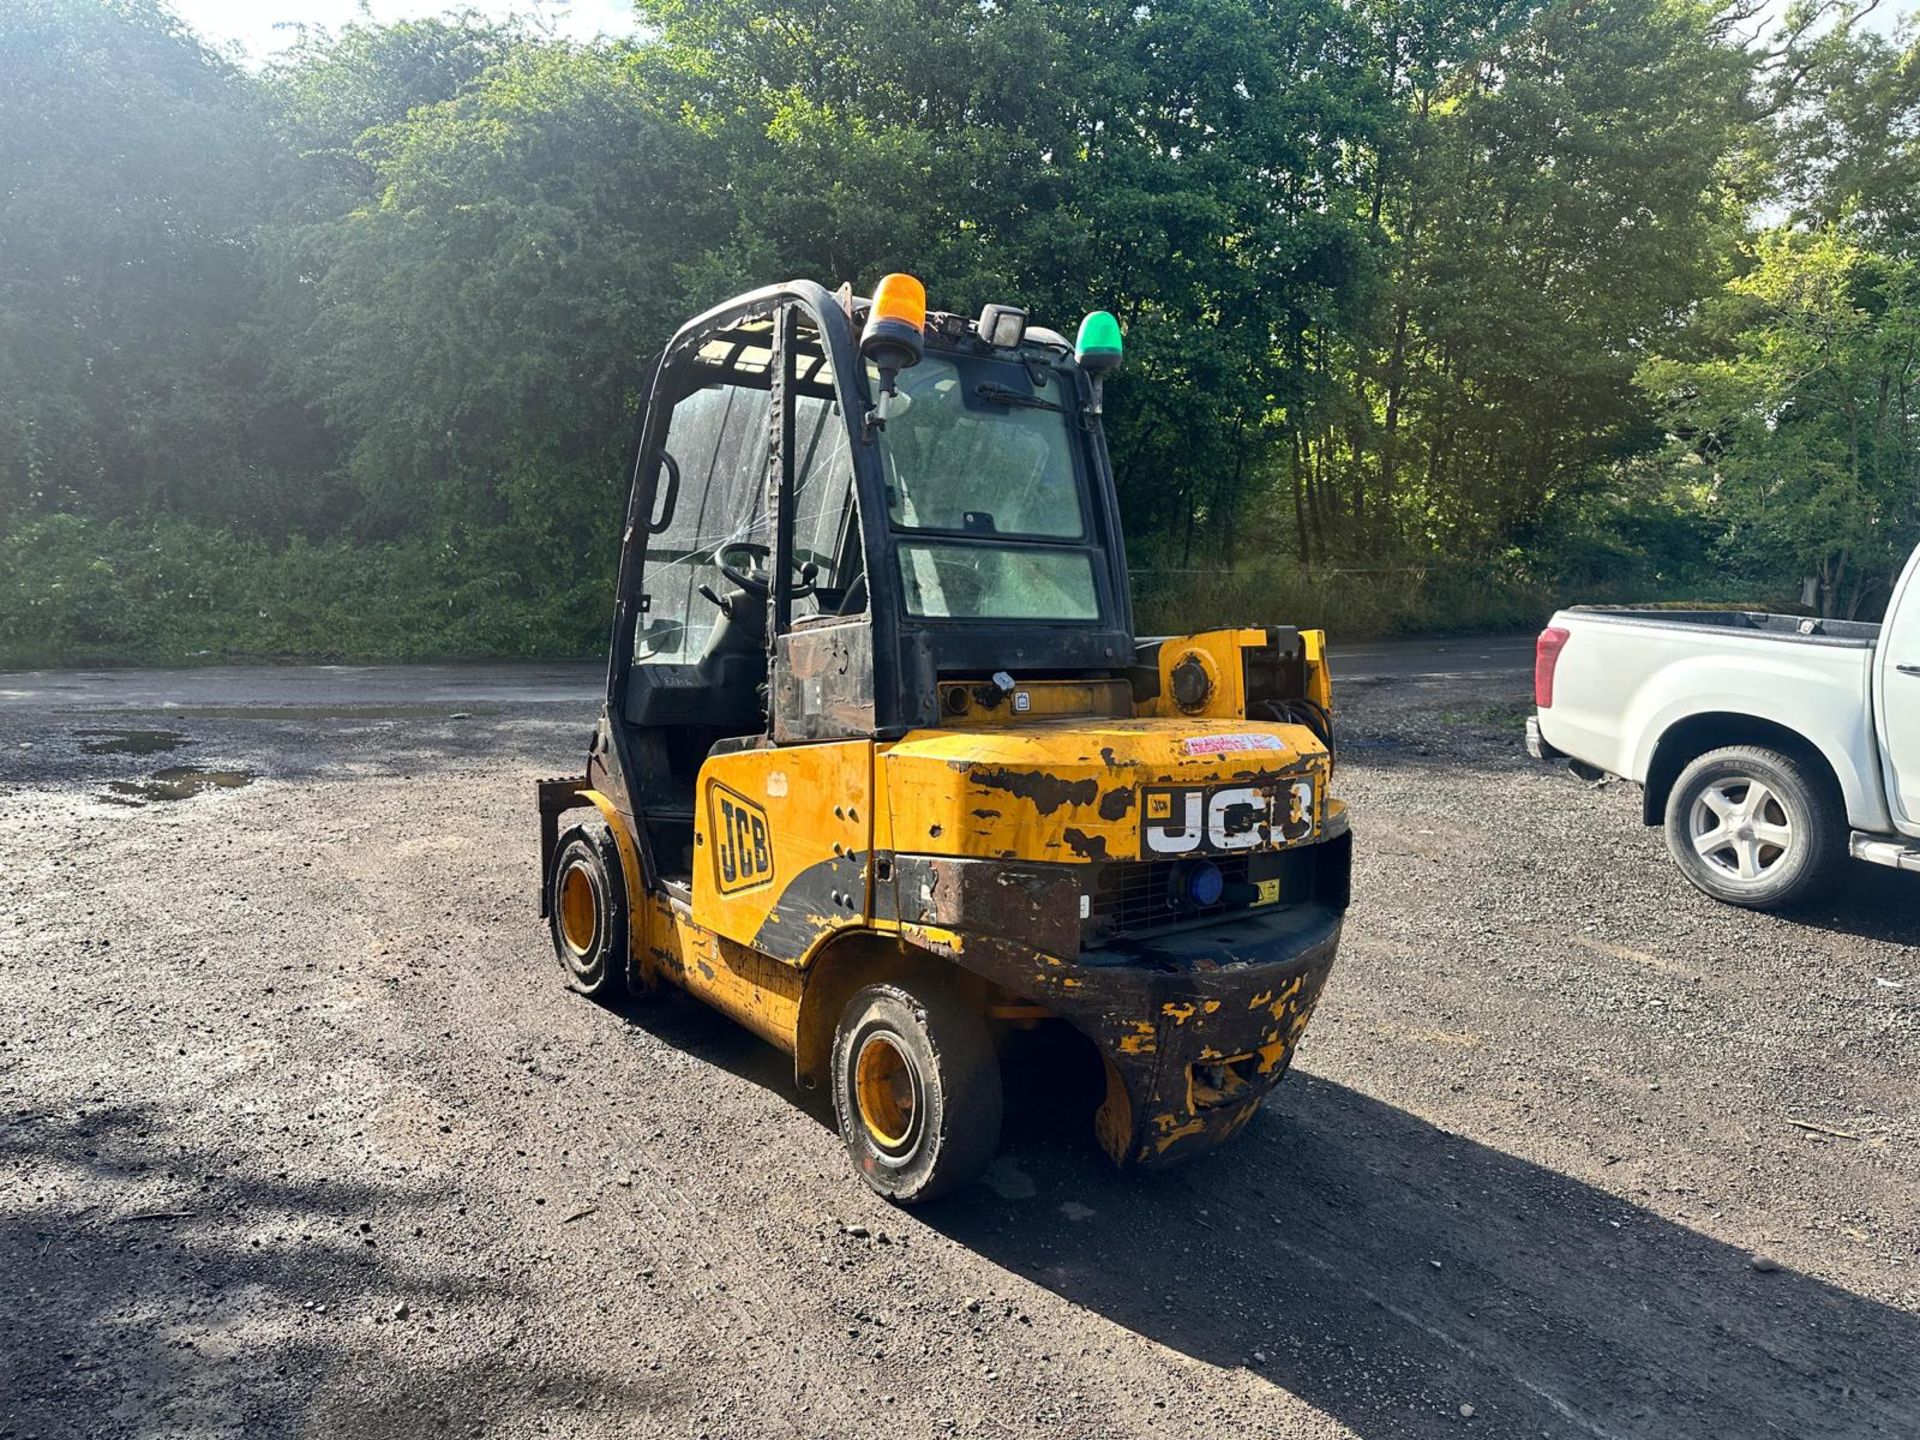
300, 1134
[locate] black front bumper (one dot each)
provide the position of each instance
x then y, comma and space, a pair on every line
1195, 1025
1197, 1033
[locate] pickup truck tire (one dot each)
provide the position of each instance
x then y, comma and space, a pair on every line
1755, 827
916, 1090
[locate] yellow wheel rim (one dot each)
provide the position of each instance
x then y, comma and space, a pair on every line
883, 1083
579, 912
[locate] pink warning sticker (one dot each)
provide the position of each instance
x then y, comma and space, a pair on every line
1220, 744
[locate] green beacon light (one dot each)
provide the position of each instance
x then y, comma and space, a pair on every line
1097, 348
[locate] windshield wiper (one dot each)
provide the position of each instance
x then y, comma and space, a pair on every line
1005, 395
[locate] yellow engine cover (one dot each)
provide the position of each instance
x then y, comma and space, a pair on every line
1076, 791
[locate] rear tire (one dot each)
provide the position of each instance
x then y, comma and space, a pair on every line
1755, 827
587, 914
916, 1090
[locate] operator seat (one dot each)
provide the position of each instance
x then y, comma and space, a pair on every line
724, 691
733, 669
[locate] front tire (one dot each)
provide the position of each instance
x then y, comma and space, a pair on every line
916, 1090
587, 913
1755, 827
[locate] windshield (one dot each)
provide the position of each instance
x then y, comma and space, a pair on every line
981, 446
983, 450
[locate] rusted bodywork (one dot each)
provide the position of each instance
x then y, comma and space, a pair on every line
1023, 855
1040, 813
1196, 1025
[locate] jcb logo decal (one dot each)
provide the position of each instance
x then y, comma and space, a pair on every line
1179, 820
742, 844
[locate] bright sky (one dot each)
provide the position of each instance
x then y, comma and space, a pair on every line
250, 23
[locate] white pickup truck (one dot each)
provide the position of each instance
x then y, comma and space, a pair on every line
1770, 746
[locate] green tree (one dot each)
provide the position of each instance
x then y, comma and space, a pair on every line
334, 92
1565, 182
133, 164
1805, 429
1180, 163
1845, 100
481, 329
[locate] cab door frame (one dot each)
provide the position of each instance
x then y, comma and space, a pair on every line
617, 767
784, 828
820, 671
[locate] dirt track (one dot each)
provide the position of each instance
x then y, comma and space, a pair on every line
300, 1135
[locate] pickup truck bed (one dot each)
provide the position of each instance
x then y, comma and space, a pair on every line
1639, 693
1758, 623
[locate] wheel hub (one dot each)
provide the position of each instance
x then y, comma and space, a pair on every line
887, 1090
579, 910
1739, 827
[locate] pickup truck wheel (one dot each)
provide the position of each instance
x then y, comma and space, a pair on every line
587, 908
1754, 827
916, 1090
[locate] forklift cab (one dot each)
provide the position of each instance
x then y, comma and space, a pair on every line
884, 774
798, 569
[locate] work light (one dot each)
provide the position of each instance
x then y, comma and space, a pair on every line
1002, 326
1201, 883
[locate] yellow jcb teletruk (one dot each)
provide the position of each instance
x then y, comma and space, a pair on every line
884, 773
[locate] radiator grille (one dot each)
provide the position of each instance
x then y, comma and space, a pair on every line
1143, 894
1126, 897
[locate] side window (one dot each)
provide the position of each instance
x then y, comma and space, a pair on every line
826, 526
716, 438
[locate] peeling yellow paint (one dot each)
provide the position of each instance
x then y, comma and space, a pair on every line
1285, 998
1192, 1127
1273, 1056
1068, 779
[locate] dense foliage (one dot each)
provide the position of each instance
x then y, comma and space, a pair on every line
1434, 310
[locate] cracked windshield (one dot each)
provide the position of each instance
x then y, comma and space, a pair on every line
978, 448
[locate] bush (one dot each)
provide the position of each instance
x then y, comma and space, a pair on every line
1351, 602
74, 590
81, 591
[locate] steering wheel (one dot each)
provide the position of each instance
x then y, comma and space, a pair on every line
755, 585
758, 585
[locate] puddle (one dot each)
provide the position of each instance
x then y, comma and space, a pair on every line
181, 782
130, 742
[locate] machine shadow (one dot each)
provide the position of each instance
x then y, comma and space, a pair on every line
674, 1018
1868, 902
1389, 1272
151, 1287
